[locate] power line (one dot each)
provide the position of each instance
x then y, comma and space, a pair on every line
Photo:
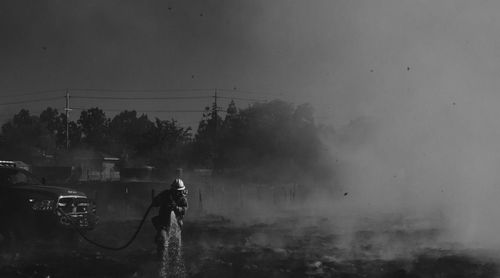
179, 90
67, 109
140, 90
239, 98
147, 111
250, 92
173, 91
141, 98
122, 98
31, 101
33, 93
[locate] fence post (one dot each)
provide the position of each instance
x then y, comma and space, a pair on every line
200, 199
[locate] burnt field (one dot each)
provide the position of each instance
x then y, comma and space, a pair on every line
214, 246
236, 232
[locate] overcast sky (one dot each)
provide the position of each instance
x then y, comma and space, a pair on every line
347, 58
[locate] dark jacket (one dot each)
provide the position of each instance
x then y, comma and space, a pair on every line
170, 200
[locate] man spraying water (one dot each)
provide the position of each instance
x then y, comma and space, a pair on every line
171, 200
168, 224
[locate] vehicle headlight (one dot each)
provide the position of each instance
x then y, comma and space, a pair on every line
43, 205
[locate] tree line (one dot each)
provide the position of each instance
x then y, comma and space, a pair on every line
266, 141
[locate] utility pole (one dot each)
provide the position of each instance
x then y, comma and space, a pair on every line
215, 119
215, 116
67, 109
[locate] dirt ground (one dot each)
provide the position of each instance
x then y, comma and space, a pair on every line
287, 246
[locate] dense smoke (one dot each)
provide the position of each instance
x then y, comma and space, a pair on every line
428, 153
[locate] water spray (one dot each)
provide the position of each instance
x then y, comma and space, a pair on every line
170, 250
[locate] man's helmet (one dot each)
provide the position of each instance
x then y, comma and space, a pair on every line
178, 184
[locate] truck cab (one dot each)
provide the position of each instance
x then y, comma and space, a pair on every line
30, 208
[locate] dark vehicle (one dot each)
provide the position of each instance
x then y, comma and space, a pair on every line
31, 209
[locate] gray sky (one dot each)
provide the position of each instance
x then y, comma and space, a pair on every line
347, 58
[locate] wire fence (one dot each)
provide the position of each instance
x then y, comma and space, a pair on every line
205, 196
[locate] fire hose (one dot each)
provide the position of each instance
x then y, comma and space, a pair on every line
134, 236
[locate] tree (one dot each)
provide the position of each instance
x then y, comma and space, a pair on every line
21, 136
206, 148
75, 133
129, 134
169, 143
266, 141
54, 127
94, 124
27, 137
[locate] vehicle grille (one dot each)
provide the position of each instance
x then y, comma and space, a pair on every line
73, 205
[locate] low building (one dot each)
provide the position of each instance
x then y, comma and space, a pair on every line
97, 167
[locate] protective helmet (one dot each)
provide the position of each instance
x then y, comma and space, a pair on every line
178, 184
